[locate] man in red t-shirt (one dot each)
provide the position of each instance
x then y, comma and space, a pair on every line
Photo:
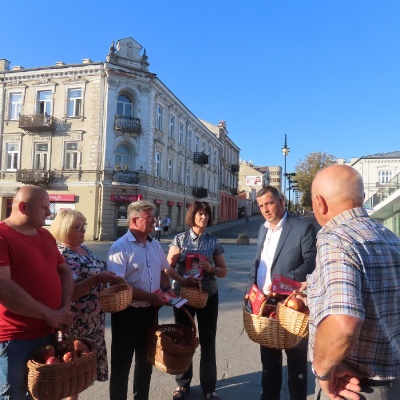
36, 287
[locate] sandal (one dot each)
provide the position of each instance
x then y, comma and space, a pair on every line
212, 396
180, 392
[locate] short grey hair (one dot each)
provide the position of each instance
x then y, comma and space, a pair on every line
137, 207
277, 194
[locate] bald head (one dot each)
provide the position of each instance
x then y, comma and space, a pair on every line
335, 189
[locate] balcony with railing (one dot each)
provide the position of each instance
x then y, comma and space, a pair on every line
37, 123
127, 125
199, 192
35, 176
234, 191
200, 158
384, 192
123, 176
235, 168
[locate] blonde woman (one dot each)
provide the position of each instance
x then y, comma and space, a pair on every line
90, 274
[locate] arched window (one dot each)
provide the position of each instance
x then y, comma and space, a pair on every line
122, 158
124, 106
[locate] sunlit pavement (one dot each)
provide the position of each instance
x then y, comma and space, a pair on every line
238, 358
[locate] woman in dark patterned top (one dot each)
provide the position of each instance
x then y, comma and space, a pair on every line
90, 275
197, 243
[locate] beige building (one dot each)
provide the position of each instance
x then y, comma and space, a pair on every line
99, 135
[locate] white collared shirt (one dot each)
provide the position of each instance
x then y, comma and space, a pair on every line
267, 255
140, 265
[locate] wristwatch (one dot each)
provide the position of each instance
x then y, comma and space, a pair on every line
324, 377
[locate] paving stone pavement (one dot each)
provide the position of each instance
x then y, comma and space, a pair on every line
238, 358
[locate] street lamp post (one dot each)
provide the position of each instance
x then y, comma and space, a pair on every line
285, 152
290, 176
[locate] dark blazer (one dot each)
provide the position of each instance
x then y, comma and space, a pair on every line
295, 253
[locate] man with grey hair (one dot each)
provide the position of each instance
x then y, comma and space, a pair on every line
353, 294
141, 261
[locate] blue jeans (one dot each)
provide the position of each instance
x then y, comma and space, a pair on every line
14, 355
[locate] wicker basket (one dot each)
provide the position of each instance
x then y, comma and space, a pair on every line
117, 297
167, 355
58, 381
195, 296
295, 322
268, 331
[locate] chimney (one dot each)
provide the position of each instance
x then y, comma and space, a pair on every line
87, 61
17, 68
4, 65
60, 63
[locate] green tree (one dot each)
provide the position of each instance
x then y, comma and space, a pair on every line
307, 169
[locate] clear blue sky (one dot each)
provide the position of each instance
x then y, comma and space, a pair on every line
324, 72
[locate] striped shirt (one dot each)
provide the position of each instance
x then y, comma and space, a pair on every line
206, 244
358, 274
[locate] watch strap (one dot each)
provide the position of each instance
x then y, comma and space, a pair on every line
324, 377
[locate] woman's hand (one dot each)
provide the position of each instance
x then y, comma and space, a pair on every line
206, 266
190, 281
106, 277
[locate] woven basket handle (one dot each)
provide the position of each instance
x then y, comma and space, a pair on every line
183, 308
118, 280
70, 338
200, 288
293, 295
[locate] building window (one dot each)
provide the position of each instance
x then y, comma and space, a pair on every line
384, 176
159, 118
204, 147
203, 180
12, 156
171, 126
74, 103
180, 171
170, 169
215, 185
196, 178
40, 156
188, 173
71, 155
122, 158
180, 137
157, 164
197, 144
15, 105
44, 102
215, 156
124, 106
189, 140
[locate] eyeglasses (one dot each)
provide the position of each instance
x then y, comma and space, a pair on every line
80, 228
148, 218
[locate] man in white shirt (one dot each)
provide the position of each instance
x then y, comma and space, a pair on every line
141, 261
286, 246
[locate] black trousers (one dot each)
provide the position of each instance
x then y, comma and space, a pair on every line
129, 328
271, 380
207, 324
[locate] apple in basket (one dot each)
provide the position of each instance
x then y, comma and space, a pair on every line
44, 353
267, 310
53, 360
67, 357
273, 315
80, 347
61, 347
295, 304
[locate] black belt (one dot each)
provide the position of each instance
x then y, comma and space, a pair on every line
366, 382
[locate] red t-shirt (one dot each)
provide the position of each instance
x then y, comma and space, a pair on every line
33, 262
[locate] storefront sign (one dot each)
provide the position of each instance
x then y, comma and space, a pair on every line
67, 198
124, 198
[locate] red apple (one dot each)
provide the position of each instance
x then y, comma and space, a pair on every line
80, 347
273, 315
67, 357
44, 353
53, 360
295, 303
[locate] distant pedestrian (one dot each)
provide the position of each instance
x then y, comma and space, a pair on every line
157, 228
167, 223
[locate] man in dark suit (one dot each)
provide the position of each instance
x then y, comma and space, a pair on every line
286, 246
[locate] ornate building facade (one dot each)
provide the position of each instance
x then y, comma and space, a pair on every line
99, 135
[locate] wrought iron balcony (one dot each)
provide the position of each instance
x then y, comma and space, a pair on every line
235, 168
35, 176
127, 124
200, 158
234, 191
37, 123
125, 176
199, 192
